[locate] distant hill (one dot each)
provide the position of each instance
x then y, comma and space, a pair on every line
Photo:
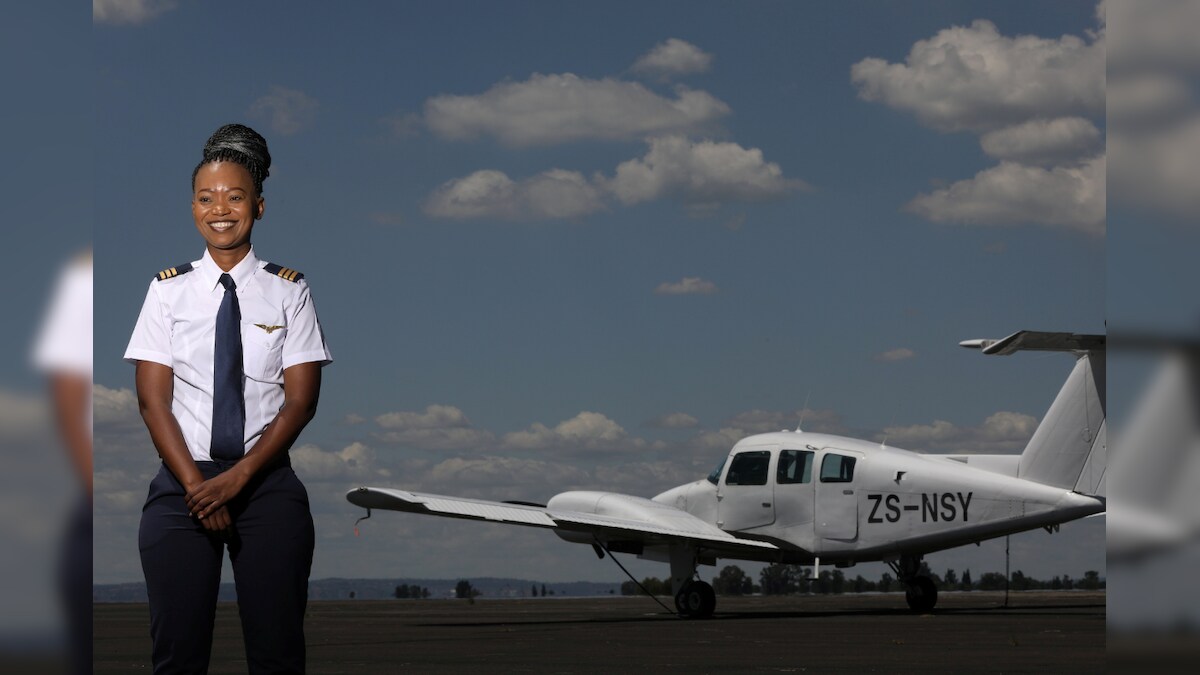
381, 589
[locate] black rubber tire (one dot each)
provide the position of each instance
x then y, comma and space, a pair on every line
680, 603
921, 594
708, 600
696, 600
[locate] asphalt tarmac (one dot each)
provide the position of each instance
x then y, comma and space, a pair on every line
1038, 632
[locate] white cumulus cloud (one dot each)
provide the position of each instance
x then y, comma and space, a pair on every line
286, 110
353, 461
128, 11
1066, 196
554, 194
547, 109
671, 58
1002, 432
975, 78
438, 427
676, 420
898, 354
1031, 98
505, 473
1044, 142
114, 406
700, 172
764, 421
587, 431
686, 286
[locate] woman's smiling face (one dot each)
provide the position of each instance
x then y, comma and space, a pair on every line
225, 205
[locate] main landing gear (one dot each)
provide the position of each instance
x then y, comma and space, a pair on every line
696, 600
920, 593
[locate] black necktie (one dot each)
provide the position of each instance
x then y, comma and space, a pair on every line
229, 408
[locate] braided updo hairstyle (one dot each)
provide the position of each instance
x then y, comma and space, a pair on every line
239, 144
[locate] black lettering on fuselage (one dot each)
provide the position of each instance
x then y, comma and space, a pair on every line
893, 507
935, 507
929, 508
877, 499
948, 509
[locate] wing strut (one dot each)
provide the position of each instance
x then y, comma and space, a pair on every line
639, 584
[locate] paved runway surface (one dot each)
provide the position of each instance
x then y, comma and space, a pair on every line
1039, 632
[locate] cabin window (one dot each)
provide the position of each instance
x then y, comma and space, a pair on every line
837, 469
749, 468
716, 473
795, 466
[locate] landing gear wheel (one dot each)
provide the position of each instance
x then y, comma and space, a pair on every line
696, 600
921, 594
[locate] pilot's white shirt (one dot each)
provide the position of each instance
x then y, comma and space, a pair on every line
177, 328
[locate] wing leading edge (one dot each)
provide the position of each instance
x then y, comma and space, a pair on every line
682, 528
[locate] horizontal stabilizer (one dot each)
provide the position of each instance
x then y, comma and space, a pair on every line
1069, 449
1032, 340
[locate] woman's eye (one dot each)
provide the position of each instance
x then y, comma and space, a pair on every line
204, 200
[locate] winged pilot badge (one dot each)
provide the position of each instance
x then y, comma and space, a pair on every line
269, 329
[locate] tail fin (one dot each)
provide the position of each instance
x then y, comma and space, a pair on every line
1069, 449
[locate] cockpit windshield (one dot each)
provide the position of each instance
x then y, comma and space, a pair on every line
715, 476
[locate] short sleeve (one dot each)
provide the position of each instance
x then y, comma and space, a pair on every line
64, 342
305, 341
151, 339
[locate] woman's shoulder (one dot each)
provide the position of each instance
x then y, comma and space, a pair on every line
174, 272
285, 273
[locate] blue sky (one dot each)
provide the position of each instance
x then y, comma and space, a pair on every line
558, 245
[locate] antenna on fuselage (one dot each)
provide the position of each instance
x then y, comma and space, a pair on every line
803, 411
883, 443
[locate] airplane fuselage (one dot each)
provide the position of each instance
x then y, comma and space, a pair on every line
846, 500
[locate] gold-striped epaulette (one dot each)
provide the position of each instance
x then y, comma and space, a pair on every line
172, 272
283, 272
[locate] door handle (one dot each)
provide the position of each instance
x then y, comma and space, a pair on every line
766, 505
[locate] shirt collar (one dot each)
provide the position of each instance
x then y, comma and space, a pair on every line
241, 272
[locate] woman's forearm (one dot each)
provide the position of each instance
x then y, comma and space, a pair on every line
154, 389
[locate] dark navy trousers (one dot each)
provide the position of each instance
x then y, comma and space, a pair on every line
271, 549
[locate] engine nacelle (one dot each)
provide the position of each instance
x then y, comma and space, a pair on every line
612, 505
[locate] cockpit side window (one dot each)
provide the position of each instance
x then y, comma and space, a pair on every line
716, 473
795, 466
749, 468
837, 469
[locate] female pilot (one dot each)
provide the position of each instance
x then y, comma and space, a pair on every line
229, 352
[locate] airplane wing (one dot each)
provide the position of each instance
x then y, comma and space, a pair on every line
670, 525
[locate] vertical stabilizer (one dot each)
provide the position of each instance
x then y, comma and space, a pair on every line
1069, 449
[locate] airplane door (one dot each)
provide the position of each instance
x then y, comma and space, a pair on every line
745, 498
794, 489
836, 498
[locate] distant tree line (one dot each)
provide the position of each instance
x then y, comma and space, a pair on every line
779, 579
416, 592
464, 589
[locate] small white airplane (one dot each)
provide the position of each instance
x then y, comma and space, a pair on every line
803, 498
